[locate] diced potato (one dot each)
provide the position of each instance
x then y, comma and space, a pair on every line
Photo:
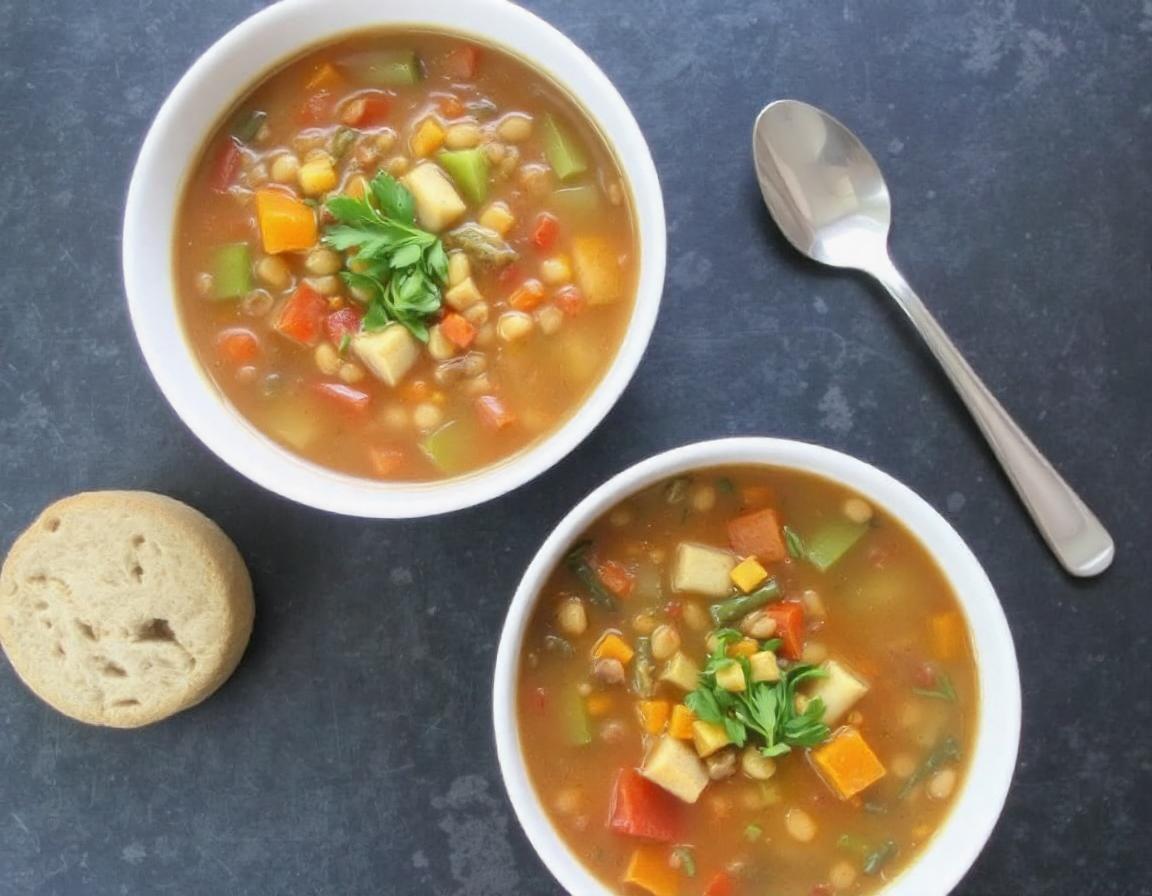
497, 217
764, 666
840, 690
677, 769
748, 575
731, 678
463, 295
296, 424
437, 202
388, 353
708, 737
702, 570
681, 671
459, 268
598, 269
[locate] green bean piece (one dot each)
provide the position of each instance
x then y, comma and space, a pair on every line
577, 561
687, 860
556, 644
880, 857
737, 607
677, 490
642, 668
947, 751
343, 140
249, 126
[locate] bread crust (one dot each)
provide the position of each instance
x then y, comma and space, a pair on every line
122, 608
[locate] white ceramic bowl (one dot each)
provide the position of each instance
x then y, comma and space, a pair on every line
235, 63
955, 846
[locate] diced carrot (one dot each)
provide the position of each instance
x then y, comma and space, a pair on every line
570, 300
545, 232
457, 329
616, 578
226, 165
598, 704
847, 764
428, 138
654, 715
757, 535
366, 109
302, 318
238, 345
789, 617
527, 296
343, 396
493, 413
316, 108
450, 107
325, 77
649, 869
385, 461
643, 809
680, 725
744, 647
343, 323
286, 223
949, 635
612, 646
720, 885
463, 62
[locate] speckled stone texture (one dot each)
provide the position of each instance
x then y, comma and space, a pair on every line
352, 753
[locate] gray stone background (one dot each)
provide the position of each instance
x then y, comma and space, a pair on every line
352, 753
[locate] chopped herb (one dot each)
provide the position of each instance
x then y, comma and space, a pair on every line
794, 543
342, 141
948, 750
880, 857
855, 844
752, 832
557, 645
577, 561
642, 668
687, 861
736, 607
765, 712
676, 490
942, 691
345, 341
248, 126
725, 486
772, 644
399, 265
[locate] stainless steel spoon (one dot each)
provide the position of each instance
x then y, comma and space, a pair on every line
827, 194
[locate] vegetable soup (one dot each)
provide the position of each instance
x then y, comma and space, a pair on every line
406, 256
747, 681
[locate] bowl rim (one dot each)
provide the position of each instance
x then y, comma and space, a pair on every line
235, 63
954, 847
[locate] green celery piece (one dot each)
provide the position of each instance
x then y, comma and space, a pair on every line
231, 271
564, 154
832, 541
576, 720
583, 200
469, 168
388, 68
450, 447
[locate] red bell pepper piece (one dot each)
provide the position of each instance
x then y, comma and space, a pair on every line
226, 165
720, 885
643, 809
302, 318
366, 109
343, 396
463, 62
493, 413
238, 345
789, 617
545, 232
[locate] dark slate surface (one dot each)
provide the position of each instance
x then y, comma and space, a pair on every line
346, 756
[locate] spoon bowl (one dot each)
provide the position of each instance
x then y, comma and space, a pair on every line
826, 193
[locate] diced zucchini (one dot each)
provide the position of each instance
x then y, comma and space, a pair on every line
295, 422
681, 671
702, 570
437, 202
584, 200
832, 541
674, 766
388, 353
387, 68
231, 271
598, 270
563, 152
840, 690
576, 719
469, 169
708, 737
450, 447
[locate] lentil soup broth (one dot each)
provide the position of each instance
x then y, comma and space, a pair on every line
533, 336
882, 610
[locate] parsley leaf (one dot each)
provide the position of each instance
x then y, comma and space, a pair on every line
399, 266
943, 690
795, 544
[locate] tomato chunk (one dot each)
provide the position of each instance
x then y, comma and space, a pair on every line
238, 345
366, 109
643, 809
302, 318
386, 461
616, 578
345, 322
493, 413
570, 300
545, 232
225, 168
343, 396
719, 885
789, 616
463, 62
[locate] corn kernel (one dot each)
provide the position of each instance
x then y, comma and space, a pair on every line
317, 177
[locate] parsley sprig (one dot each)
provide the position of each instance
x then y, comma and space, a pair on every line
766, 712
401, 267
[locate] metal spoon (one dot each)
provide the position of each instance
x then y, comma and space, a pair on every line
827, 194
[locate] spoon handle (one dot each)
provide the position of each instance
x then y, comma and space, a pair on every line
1072, 531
